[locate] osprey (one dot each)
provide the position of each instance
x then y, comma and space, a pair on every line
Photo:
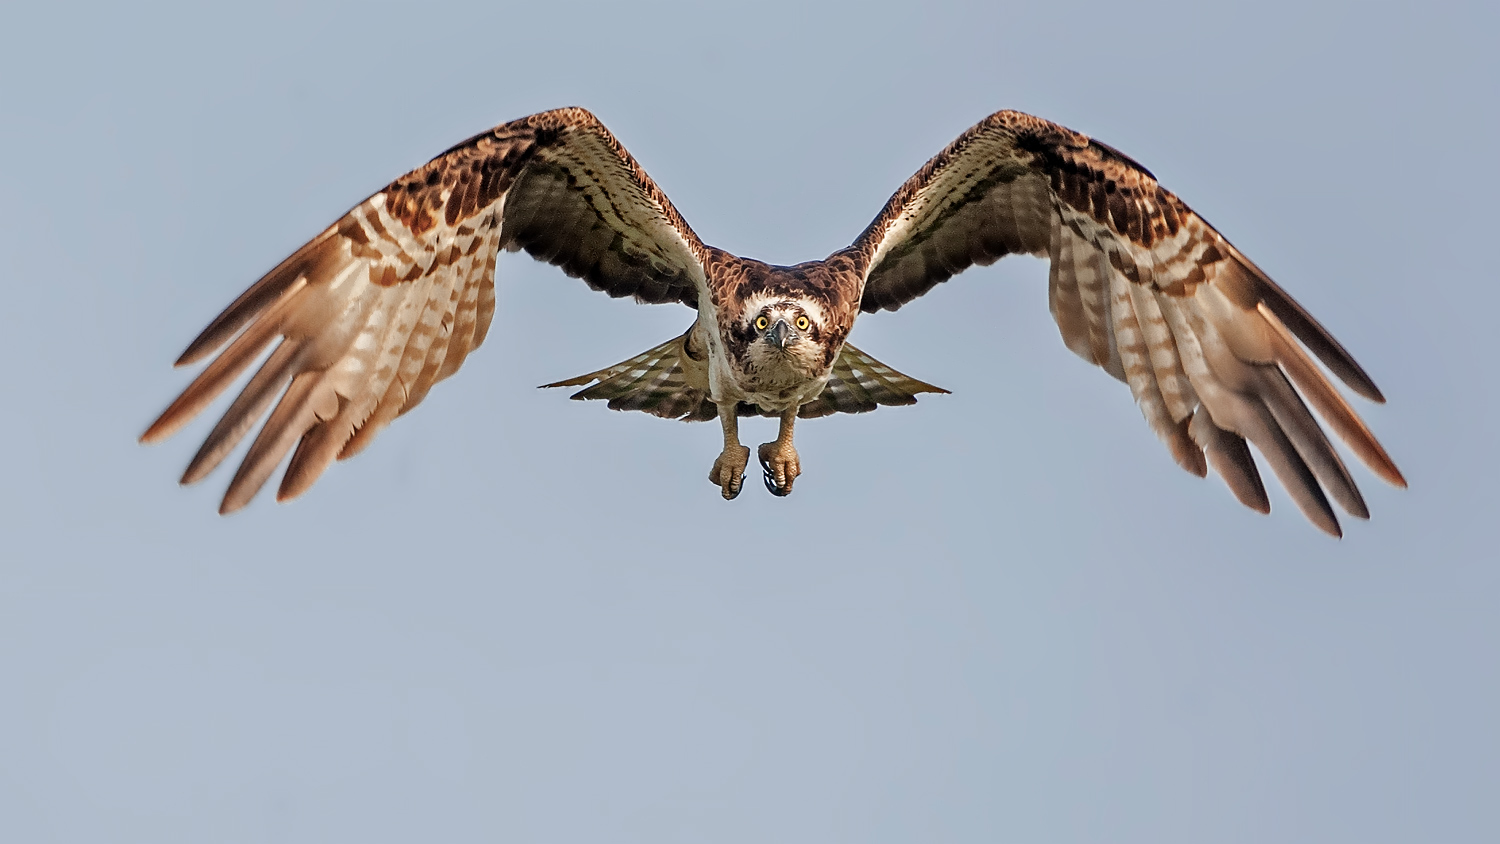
390, 299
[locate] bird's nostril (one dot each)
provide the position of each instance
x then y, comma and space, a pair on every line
780, 334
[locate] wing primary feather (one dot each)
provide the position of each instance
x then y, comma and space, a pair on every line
390, 299
1240, 347
315, 452
307, 262
1311, 332
1212, 349
1294, 420
1329, 404
219, 374
1231, 458
248, 407
300, 408
1287, 464
1214, 352
1223, 382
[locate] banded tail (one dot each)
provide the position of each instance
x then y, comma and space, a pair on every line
671, 382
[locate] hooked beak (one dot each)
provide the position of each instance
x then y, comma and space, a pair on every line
781, 335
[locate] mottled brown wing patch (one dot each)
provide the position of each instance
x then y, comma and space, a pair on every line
584, 204
573, 196
366, 317
1144, 288
978, 200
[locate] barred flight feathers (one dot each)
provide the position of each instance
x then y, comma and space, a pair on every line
357, 325
390, 299
663, 381
1147, 290
860, 383
670, 382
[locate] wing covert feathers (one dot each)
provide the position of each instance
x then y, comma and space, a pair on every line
1214, 352
355, 327
367, 316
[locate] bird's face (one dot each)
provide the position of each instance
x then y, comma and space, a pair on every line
784, 338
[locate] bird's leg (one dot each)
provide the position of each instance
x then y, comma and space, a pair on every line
729, 469
779, 458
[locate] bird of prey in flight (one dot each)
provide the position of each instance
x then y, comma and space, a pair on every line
368, 315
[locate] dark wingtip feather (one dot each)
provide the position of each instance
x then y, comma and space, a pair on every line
1298, 478
1311, 333
571, 382
1239, 472
302, 264
1230, 457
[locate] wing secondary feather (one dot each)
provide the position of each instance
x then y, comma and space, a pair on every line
1214, 352
391, 298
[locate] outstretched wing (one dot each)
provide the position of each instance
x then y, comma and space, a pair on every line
391, 298
1144, 288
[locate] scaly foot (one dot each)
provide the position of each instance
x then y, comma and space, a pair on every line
781, 467
728, 472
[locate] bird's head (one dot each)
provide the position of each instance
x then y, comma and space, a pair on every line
784, 334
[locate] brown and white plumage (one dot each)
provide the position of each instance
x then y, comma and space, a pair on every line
671, 381
392, 297
1144, 288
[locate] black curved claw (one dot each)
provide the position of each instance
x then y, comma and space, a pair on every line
779, 492
730, 496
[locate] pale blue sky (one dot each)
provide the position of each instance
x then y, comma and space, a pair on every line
1000, 615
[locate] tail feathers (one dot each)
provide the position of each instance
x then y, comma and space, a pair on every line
665, 381
654, 381
860, 383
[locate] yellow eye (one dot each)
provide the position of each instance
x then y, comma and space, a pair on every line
802, 323
761, 323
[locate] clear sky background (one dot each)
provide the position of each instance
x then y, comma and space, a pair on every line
1000, 615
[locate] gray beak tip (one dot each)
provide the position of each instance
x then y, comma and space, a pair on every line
781, 335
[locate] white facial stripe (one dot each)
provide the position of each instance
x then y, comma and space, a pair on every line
758, 302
